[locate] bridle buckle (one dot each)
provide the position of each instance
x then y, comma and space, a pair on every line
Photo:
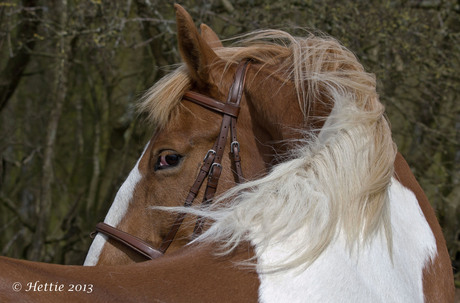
233, 144
211, 170
211, 151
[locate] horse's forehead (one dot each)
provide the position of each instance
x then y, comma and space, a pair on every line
190, 121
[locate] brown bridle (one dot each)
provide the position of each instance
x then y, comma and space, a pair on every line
211, 167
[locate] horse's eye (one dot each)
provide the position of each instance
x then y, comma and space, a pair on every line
167, 161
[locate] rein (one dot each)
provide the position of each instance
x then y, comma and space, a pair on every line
211, 167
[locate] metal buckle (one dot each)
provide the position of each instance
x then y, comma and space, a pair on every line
211, 170
233, 144
211, 151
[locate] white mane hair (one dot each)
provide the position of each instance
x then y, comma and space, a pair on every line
336, 181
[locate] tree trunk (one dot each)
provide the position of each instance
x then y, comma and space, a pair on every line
58, 97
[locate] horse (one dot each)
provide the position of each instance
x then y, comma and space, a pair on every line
312, 203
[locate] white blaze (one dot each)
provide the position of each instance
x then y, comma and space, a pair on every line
116, 212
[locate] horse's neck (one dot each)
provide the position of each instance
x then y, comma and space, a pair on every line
193, 274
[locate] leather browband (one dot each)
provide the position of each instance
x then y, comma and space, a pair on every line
209, 103
210, 168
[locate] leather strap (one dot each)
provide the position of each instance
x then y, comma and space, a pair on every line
211, 166
209, 103
204, 171
235, 96
129, 240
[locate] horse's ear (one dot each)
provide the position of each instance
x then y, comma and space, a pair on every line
195, 51
210, 36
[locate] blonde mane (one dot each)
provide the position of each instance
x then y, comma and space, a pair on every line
336, 182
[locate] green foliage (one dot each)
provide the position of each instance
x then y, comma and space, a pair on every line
118, 49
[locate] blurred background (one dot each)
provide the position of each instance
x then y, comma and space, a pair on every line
71, 72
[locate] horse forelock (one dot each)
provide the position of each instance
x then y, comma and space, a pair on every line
162, 99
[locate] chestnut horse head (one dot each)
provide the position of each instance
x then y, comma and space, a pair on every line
269, 114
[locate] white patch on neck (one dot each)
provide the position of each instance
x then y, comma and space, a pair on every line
116, 212
366, 276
